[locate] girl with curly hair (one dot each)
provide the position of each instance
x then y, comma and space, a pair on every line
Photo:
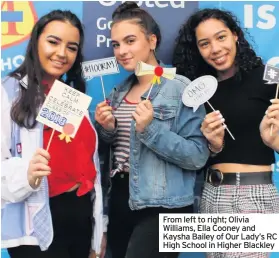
239, 173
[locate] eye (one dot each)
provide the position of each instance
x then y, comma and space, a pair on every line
74, 49
115, 45
53, 42
204, 44
222, 37
130, 41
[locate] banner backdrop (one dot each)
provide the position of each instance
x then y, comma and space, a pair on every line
261, 19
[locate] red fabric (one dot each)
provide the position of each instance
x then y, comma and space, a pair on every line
129, 102
72, 163
46, 85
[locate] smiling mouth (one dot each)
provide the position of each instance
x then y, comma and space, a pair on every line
58, 63
125, 60
219, 60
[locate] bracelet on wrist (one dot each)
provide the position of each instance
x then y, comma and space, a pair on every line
214, 151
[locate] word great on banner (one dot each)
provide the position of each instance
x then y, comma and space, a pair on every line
64, 108
99, 67
218, 233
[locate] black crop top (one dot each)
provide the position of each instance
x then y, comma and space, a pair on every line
243, 104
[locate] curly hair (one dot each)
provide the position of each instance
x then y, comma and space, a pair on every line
24, 110
187, 58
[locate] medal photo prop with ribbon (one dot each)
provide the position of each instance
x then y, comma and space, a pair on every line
63, 111
271, 75
158, 71
99, 67
200, 91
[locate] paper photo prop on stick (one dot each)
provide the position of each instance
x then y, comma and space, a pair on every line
200, 91
158, 72
63, 111
99, 67
271, 75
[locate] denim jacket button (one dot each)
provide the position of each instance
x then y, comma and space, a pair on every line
135, 178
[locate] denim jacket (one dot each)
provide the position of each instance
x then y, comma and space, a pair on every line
164, 158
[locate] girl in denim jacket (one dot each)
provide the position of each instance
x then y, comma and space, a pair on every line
156, 143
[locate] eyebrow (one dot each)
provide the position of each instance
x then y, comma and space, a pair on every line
213, 35
59, 39
125, 38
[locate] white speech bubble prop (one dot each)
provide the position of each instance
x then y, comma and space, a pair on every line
199, 91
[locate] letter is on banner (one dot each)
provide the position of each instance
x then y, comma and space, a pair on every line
265, 20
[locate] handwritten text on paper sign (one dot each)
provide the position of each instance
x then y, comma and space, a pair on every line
64, 105
100, 67
199, 91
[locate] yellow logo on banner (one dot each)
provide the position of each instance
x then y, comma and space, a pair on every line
18, 19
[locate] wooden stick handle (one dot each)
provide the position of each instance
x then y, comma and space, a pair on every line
38, 179
103, 88
276, 96
223, 123
150, 91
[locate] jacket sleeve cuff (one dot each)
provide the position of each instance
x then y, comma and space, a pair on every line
150, 131
104, 134
15, 185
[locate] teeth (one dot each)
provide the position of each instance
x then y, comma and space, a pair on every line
56, 62
219, 60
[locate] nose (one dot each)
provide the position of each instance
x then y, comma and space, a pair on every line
215, 47
123, 50
61, 51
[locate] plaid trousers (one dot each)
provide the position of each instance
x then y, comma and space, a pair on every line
261, 198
